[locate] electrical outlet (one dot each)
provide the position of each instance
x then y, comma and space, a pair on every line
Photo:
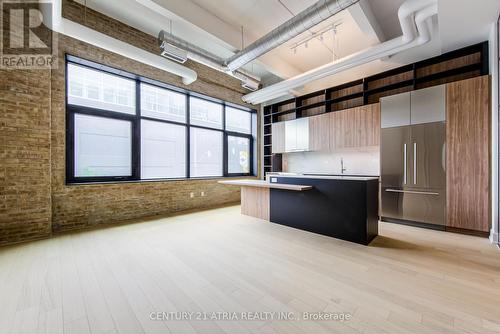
202, 194
191, 195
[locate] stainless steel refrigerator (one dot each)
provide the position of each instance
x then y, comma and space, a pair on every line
413, 165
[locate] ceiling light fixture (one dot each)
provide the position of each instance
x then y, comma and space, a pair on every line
316, 35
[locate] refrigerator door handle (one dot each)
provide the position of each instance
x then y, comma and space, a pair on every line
412, 192
414, 163
404, 164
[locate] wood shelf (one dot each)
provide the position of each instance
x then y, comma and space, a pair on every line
449, 73
390, 87
283, 112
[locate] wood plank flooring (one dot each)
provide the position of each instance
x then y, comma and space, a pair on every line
408, 280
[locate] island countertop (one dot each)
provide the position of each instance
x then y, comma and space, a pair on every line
266, 184
319, 176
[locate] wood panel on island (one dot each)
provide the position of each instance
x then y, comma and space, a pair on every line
343, 102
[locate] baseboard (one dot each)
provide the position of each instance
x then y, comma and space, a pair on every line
475, 233
413, 223
494, 237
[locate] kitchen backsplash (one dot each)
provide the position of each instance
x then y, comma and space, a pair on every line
363, 161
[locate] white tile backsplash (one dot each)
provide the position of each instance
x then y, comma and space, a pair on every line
363, 161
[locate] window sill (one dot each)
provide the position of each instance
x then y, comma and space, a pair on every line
157, 180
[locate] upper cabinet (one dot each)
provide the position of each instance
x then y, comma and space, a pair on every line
278, 139
297, 135
355, 127
416, 107
290, 136
428, 105
350, 128
319, 132
395, 110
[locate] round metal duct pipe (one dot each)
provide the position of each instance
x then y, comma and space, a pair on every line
303, 21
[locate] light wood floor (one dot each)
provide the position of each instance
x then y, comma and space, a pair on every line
109, 281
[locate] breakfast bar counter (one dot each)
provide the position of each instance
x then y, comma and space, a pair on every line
343, 207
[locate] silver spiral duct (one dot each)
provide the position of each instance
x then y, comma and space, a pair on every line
305, 20
202, 56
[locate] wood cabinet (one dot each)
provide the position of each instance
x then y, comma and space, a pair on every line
468, 154
319, 132
350, 128
355, 127
278, 141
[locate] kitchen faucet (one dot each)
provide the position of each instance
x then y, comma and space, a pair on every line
342, 167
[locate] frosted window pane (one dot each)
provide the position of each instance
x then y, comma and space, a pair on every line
238, 120
206, 152
238, 150
96, 89
163, 150
102, 146
163, 104
205, 113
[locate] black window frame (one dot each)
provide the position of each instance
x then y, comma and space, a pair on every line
135, 119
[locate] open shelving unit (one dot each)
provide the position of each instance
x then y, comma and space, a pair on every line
465, 63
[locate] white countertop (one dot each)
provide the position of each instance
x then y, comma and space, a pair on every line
329, 177
266, 184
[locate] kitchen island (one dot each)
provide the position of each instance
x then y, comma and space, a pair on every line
343, 207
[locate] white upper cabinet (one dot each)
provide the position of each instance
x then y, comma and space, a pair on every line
428, 105
297, 135
395, 110
417, 107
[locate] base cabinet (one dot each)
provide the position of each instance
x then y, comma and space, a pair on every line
468, 154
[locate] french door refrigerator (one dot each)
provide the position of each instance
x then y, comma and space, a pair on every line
413, 171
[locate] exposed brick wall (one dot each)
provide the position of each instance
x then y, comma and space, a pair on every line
34, 197
24, 155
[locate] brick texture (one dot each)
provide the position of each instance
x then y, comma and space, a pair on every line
35, 201
24, 155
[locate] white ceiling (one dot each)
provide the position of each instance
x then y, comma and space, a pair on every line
216, 27
466, 22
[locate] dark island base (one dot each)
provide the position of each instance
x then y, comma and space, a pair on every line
343, 209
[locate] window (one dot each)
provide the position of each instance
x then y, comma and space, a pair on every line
206, 152
238, 155
95, 89
162, 103
163, 150
103, 147
205, 113
238, 120
121, 127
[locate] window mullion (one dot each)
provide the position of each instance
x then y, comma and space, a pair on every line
136, 147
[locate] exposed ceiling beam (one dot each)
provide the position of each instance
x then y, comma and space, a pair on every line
363, 15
